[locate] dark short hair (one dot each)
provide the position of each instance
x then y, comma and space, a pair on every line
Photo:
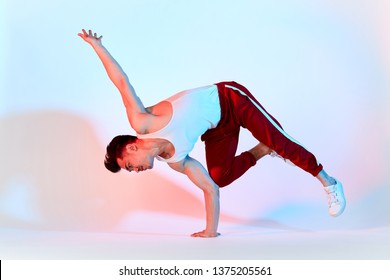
115, 150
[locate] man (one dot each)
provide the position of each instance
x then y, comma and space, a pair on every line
168, 131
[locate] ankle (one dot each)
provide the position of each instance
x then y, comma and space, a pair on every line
259, 151
325, 179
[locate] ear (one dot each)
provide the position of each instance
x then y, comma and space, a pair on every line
131, 147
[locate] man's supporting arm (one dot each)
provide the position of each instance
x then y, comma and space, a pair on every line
201, 178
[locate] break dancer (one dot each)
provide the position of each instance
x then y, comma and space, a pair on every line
168, 131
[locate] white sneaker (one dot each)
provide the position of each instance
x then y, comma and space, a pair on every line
336, 199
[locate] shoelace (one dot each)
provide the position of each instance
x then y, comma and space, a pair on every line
332, 195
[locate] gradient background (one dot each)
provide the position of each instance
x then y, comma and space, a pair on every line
320, 67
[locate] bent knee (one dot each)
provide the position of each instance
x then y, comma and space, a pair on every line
222, 179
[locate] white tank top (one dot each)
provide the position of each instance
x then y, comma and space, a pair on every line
194, 111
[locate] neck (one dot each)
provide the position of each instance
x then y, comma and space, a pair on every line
157, 147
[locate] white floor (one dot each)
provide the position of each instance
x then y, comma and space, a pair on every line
173, 242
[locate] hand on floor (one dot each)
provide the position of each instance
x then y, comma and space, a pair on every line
204, 233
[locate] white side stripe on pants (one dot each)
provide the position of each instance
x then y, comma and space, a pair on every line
267, 116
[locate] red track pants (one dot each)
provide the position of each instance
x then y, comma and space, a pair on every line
240, 109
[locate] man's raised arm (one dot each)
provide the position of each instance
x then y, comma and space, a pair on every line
136, 112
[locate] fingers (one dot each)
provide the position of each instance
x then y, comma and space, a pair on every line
83, 35
96, 37
89, 35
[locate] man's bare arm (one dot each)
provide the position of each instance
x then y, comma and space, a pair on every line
136, 111
201, 178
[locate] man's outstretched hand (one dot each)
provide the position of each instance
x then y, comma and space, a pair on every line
206, 234
90, 38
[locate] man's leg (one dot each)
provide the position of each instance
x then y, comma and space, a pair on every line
251, 115
221, 146
222, 163
221, 142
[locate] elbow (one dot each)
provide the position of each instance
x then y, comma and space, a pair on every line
212, 190
121, 82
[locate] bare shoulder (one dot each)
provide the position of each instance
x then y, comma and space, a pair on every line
160, 109
158, 116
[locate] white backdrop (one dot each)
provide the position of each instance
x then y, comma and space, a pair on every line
320, 67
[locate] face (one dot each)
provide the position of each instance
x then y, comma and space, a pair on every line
135, 159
